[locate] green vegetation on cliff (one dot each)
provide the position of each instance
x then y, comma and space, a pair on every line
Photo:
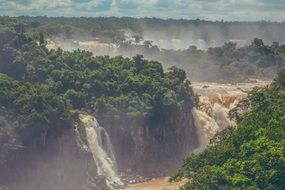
108, 86
250, 156
40, 89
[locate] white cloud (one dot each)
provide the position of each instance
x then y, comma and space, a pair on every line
192, 9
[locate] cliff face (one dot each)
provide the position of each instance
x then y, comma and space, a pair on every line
64, 163
152, 149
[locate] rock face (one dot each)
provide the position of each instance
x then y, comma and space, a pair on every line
152, 149
89, 156
64, 163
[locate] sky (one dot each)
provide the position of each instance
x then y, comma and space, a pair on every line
229, 10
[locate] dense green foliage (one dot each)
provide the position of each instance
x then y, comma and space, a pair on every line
41, 89
34, 107
111, 28
250, 156
41, 92
228, 63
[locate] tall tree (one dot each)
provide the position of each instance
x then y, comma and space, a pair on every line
42, 39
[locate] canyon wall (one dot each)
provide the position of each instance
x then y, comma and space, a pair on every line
152, 149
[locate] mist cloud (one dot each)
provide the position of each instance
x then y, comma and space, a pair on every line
246, 10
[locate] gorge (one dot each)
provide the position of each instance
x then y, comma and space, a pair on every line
88, 113
210, 117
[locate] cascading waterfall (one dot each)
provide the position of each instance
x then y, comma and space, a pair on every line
215, 102
220, 114
207, 127
102, 150
211, 118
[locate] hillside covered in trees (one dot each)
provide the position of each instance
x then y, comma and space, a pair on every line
249, 156
119, 85
229, 63
115, 29
146, 111
206, 50
42, 91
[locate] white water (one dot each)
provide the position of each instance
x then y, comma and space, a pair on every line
96, 47
215, 102
207, 127
102, 150
212, 116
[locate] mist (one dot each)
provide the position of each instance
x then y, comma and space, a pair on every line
57, 165
181, 43
147, 125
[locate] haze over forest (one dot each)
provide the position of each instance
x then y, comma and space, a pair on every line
135, 95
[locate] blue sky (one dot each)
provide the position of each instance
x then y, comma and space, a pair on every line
240, 10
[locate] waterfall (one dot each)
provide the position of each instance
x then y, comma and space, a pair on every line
102, 150
211, 117
220, 114
207, 127
215, 102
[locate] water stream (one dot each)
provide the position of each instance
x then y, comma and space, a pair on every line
102, 150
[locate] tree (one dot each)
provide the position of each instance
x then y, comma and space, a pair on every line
275, 44
257, 42
139, 62
137, 38
148, 43
42, 39
193, 48
281, 77
175, 72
